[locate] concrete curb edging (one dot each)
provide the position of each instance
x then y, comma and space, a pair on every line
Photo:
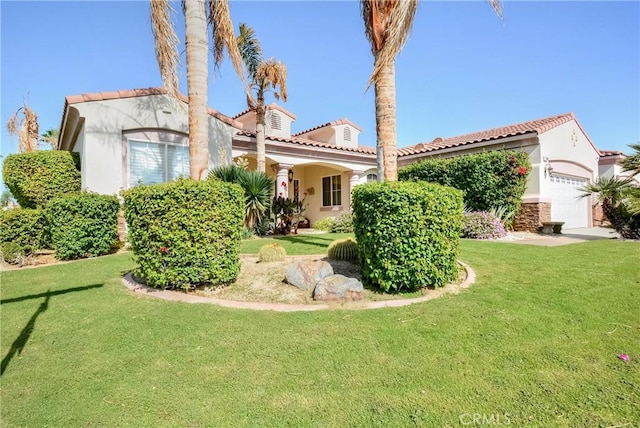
136, 287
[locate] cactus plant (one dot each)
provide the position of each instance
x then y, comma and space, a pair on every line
343, 249
272, 253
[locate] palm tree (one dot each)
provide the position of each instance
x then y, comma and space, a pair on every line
387, 25
197, 13
614, 195
264, 76
632, 162
50, 137
24, 124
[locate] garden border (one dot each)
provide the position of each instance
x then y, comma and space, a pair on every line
138, 288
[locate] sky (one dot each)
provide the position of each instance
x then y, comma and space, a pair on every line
463, 69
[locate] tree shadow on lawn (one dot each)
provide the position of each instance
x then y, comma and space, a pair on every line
306, 240
18, 345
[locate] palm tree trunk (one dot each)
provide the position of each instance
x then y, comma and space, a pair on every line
197, 69
260, 136
385, 99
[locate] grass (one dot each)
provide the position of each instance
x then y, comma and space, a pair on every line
534, 342
294, 244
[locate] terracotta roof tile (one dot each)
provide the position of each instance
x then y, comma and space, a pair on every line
607, 153
343, 121
539, 126
313, 143
272, 106
133, 93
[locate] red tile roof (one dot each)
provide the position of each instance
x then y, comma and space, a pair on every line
133, 93
313, 143
272, 106
343, 121
538, 126
607, 153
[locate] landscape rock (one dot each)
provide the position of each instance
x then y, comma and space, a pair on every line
306, 274
338, 287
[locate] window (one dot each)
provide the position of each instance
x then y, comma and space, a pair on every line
347, 134
276, 122
372, 178
332, 190
152, 162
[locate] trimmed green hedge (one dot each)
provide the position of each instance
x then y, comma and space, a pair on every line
488, 180
408, 234
186, 232
25, 227
83, 225
34, 178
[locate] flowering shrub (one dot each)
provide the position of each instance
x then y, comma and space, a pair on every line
482, 225
489, 180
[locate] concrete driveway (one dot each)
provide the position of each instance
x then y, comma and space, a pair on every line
568, 236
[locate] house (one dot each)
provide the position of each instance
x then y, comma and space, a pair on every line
141, 136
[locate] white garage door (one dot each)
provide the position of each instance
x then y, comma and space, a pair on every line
566, 204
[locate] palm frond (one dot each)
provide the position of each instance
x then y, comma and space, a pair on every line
51, 137
272, 75
13, 124
387, 26
228, 173
166, 44
611, 190
632, 162
250, 49
31, 130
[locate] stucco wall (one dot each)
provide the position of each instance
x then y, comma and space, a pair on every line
313, 178
102, 141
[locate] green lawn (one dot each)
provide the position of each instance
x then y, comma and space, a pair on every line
534, 343
294, 244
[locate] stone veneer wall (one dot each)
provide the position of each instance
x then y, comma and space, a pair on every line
531, 215
598, 216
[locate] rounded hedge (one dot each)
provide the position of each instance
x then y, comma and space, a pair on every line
24, 227
83, 225
185, 233
35, 178
408, 234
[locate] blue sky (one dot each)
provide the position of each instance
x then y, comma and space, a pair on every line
461, 71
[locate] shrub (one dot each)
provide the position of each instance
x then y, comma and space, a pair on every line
34, 178
482, 225
83, 225
408, 234
24, 227
343, 249
272, 253
325, 224
343, 223
186, 232
11, 253
489, 180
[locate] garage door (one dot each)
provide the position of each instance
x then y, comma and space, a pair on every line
566, 204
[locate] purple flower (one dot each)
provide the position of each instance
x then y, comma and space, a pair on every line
624, 357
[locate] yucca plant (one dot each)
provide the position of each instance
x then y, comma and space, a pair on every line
257, 188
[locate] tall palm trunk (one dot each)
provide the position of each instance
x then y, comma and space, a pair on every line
385, 99
260, 135
197, 68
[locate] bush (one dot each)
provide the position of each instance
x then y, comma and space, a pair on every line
343, 223
489, 180
11, 253
83, 225
186, 232
272, 253
34, 178
482, 225
24, 227
325, 224
408, 234
343, 249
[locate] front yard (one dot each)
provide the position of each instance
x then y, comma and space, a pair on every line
535, 342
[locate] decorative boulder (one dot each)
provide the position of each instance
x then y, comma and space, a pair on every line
305, 274
338, 287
